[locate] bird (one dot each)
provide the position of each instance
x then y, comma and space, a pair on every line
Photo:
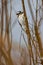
19, 13
21, 19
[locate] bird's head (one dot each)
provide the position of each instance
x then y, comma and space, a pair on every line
19, 13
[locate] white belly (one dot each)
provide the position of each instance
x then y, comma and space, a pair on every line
22, 21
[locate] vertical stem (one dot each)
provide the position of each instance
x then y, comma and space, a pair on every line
2, 17
7, 24
36, 24
10, 18
42, 17
42, 2
28, 34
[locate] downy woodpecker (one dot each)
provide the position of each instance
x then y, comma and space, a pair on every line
21, 19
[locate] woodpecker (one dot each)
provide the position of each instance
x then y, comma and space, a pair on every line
21, 19
19, 13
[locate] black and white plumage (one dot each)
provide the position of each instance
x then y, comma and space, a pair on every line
21, 19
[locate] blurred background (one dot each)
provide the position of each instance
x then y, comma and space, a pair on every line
18, 45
